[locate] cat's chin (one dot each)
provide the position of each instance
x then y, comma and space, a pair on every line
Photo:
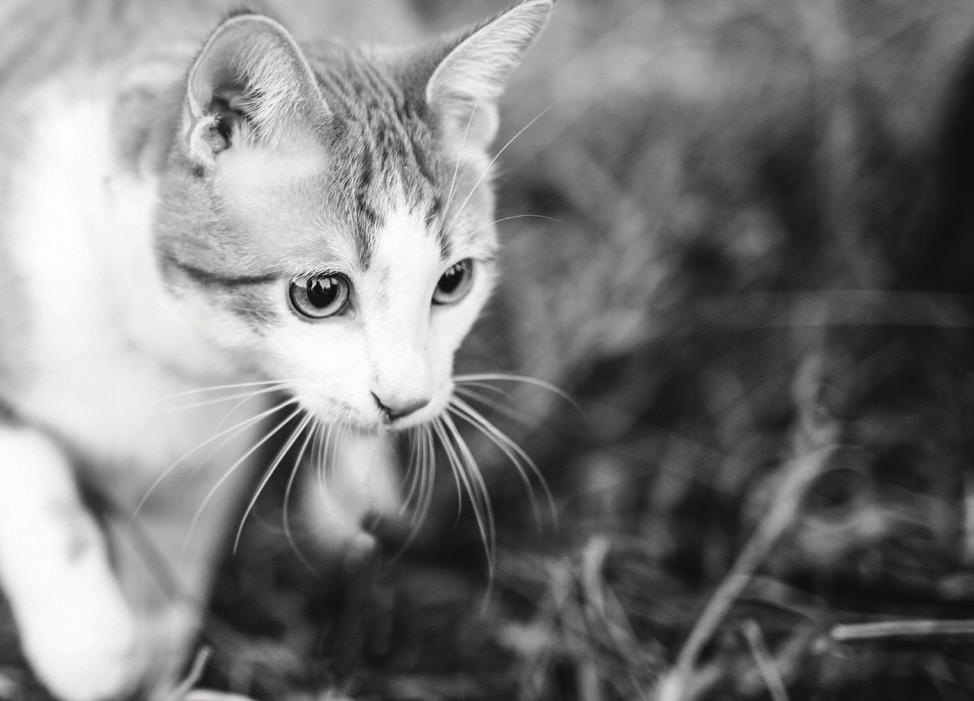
390, 429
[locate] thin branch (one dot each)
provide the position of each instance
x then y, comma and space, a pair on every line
799, 475
852, 632
762, 657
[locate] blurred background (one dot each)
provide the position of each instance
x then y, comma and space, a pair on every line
741, 237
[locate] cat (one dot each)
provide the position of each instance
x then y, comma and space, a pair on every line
268, 216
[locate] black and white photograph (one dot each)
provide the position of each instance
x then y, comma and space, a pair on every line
486, 350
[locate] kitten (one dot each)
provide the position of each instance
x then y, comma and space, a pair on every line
311, 218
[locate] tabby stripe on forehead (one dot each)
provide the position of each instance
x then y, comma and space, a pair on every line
368, 217
209, 278
384, 90
338, 93
422, 164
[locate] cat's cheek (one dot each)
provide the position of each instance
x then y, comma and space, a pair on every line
451, 325
325, 364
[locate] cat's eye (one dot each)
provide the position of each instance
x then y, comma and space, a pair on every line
454, 284
320, 296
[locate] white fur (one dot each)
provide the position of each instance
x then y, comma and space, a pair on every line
81, 638
82, 244
394, 343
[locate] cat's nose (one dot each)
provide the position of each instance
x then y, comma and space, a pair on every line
398, 409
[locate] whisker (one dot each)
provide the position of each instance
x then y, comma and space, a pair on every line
227, 434
453, 471
342, 437
516, 216
476, 488
326, 469
316, 444
245, 395
216, 388
513, 458
312, 435
474, 470
233, 468
329, 455
456, 168
427, 471
461, 384
493, 160
268, 474
517, 455
431, 471
333, 452
425, 468
506, 377
411, 478
243, 401
495, 405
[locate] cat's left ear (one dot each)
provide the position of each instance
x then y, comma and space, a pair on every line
464, 88
250, 83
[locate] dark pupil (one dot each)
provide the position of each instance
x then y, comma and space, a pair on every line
322, 291
451, 279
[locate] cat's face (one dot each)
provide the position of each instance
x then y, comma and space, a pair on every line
360, 313
338, 228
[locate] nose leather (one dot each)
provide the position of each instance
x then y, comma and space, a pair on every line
398, 410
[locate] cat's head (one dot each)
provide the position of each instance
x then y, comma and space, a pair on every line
328, 213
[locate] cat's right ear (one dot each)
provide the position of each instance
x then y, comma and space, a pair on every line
250, 84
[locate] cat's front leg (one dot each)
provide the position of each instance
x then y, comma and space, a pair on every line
185, 528
75, 627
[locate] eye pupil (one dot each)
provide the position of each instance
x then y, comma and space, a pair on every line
454, 284
451, 279
322, 291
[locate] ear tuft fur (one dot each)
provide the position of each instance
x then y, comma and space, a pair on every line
249, 80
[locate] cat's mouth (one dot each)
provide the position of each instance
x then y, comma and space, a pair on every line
379, 423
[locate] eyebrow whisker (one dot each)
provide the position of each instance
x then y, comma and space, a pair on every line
493, 160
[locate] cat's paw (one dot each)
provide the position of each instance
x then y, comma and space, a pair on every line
85, 656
